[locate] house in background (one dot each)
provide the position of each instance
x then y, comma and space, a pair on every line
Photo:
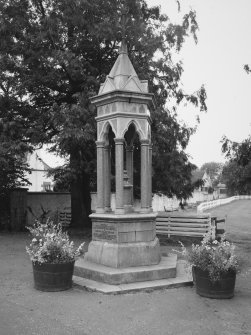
222, 190
40, 182
207, 186
204, 192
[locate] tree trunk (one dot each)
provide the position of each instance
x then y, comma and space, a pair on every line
80, 195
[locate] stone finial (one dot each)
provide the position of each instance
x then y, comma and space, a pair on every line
124, 12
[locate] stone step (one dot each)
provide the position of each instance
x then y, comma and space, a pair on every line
116, 276
183, 278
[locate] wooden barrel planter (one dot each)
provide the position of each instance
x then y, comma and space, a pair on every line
53, 277
222, 289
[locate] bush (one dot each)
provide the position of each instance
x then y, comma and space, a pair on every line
216, 257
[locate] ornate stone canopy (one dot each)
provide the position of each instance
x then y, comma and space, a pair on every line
124, 104
124, 246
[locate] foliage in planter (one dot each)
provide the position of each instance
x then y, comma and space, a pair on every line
50, 244
216, 257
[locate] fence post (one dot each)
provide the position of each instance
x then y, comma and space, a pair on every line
169, 227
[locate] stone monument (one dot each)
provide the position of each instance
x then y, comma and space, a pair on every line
124, 246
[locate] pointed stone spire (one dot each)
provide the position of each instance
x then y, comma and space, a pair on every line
122, 75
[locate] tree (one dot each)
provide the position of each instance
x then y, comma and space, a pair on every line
247, 68
13, 138
237, 173
60, 51
172, 170
214, 170
13, 169
237, 178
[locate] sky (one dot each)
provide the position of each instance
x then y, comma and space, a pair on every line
217, 60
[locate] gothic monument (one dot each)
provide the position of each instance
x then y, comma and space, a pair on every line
124, 246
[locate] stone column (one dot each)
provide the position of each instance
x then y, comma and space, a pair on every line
107, 178
119, 166
100, 177
145, 176
129, 167
150, 177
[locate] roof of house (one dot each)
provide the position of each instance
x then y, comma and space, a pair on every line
46, 166
196, 175
37, 163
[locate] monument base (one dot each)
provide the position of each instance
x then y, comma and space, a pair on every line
116, 276
183, 278
124, 240
124, 249
122, 255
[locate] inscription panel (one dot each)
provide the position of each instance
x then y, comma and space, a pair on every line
104, 231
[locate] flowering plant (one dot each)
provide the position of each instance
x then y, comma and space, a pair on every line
51, 245
216, 257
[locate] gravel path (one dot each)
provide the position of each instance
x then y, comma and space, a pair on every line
25, 311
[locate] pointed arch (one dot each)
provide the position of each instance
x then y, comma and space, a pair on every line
137, 127
105, 129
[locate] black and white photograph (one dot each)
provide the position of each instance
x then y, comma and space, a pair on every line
125, 167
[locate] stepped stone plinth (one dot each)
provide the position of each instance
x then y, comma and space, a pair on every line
165, 269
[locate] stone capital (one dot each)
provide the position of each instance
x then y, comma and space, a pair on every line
145, 142
100, 144
119, 141
129, 148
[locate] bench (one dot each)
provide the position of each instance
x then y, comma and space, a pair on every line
183, 224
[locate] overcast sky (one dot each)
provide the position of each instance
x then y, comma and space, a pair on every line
224, 46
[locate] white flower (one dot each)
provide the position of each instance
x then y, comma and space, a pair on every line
50, 244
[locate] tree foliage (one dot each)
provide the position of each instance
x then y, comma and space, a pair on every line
237, 172
14, 144
247, 68
237, 178
172, 170
58, 53
13, 167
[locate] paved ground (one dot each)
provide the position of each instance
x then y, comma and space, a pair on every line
25, 311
